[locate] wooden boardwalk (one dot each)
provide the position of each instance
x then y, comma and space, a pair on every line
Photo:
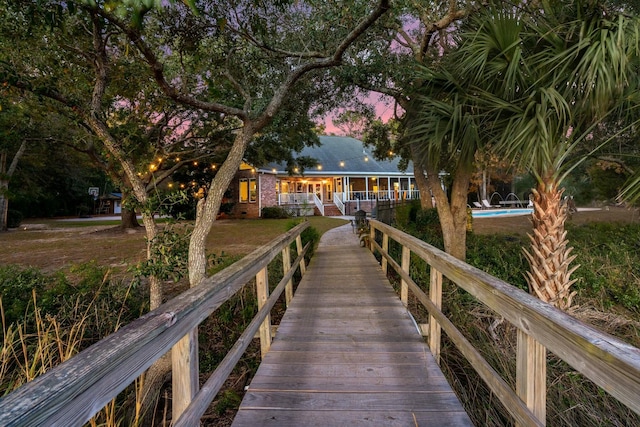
347, 353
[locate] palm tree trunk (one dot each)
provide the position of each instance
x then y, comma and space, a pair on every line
550, 259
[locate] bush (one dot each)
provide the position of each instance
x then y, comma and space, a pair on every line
59, 294
275, 212
406, 212
14, 218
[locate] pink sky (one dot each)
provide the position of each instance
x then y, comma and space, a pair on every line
383, 106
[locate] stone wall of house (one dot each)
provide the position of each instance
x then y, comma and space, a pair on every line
267, 190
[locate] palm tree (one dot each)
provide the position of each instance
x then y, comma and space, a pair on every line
537, 84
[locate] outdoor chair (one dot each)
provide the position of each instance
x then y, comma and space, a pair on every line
488, 205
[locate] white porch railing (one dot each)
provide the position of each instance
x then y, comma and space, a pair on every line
382, 195
318, 203
337, 200
295, 198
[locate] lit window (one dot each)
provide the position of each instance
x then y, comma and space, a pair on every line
253, 190
244, 190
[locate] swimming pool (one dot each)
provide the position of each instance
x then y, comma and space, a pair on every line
491, 213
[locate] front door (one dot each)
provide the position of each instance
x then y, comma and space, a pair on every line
328, 194
318, 190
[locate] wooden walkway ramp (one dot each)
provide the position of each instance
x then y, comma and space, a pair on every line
347, 353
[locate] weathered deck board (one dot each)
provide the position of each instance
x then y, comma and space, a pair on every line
348, 353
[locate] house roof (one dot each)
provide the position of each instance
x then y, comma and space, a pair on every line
340, 155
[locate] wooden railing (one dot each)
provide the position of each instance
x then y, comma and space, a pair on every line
607, 361
74, 391
337, 200
318, 203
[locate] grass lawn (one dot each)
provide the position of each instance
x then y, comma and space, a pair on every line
51, 245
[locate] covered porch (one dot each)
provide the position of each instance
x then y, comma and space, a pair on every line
346, 193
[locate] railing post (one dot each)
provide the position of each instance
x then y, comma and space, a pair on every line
299, 248
185, 372
404, 287
435, 295
262, 293
385, 249
372, 236
286, 266
531, 375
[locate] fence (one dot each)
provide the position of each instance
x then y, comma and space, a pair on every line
74, 391
607, 361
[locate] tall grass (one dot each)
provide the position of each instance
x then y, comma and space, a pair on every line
42, 340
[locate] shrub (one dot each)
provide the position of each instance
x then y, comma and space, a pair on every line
275, 212
14, 218
406, 212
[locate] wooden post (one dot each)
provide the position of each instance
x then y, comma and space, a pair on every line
435, 295
286, 266
372, 236
531, 375
262, 293
385, 249
404, 287
299, 247
185, 372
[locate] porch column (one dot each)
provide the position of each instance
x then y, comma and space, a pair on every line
345, 188
389, 187
409, 188
366, 187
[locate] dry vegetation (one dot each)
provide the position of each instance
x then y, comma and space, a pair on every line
53, 245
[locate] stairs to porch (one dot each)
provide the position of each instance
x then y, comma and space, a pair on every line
329, 210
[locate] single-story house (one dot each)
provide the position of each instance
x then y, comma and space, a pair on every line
109, 204
347, 178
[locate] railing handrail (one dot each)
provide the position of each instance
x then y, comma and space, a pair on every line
338, 201
606, 360
381, 194
318, 203
72, 392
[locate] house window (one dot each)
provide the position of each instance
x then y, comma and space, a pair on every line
248, 190
244, 190
253, 190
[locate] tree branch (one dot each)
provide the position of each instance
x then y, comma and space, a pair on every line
333, 60
16, 158
449, 18
157, 69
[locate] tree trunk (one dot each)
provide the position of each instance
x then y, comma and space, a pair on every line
129, 219
452, 214
5, 177
549, 259
209, 206
4, 204
422, 183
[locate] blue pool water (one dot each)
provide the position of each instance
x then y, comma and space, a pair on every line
490, 213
